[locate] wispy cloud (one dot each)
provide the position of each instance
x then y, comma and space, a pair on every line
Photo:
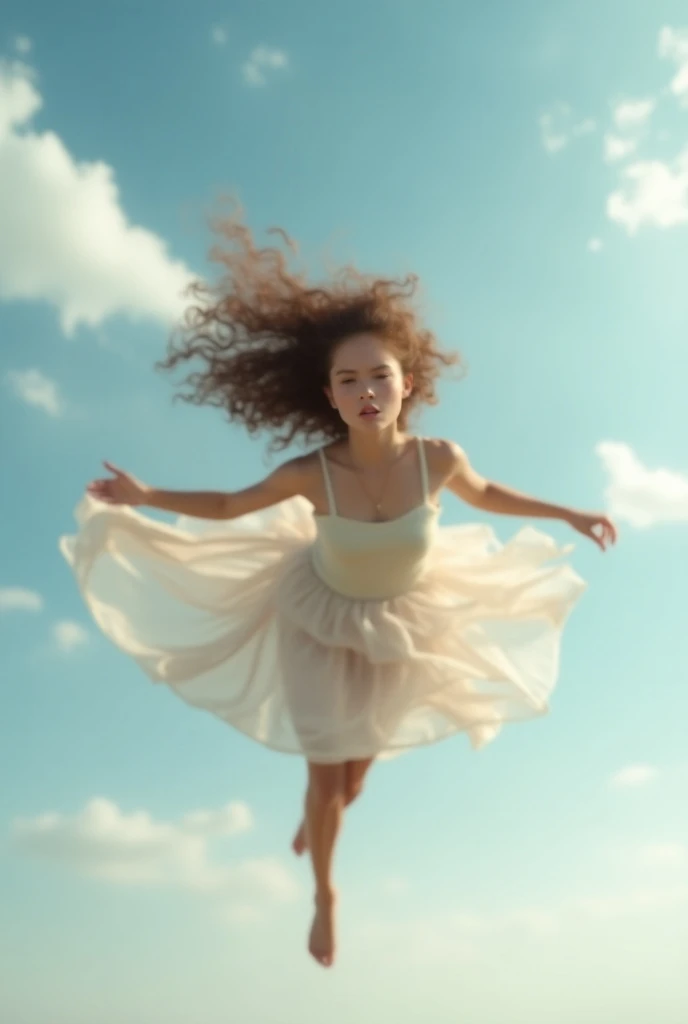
19, 599
34, 388
133, 849
395, 885
218, 35
559, 127
66, 239
263, 61
633, 775
642, 497
639, 900
595, 244
673, 45
617, 148
69, 636
23, 45
631, 115
664, 854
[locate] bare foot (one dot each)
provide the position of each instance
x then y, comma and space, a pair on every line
321, 940
299, 843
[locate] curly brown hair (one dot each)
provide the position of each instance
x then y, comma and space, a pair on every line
266, 338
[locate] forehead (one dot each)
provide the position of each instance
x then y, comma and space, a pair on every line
362, 351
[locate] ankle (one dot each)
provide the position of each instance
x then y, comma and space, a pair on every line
325, 895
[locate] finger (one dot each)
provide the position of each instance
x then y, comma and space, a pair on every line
113, 469
598, 540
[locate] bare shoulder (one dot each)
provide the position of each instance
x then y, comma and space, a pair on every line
445, 458
299, 475
449, 465
295, 475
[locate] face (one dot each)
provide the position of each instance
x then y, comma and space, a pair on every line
367, 383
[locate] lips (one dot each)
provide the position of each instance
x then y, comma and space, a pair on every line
369, 410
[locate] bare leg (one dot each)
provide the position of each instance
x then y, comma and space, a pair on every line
324, 813
355, 772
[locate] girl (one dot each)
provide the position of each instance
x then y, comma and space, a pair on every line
330, 617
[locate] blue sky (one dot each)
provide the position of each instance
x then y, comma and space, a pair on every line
530, 162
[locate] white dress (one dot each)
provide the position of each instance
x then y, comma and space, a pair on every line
328, 637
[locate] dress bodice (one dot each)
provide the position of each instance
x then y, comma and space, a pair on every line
373, 560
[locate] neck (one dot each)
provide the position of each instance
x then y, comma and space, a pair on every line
370, 450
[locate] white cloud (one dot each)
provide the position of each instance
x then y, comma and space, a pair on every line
449, 937
616, 148
34, 388
653, 194
664, 854
635, 901
19, 599
673, 45
585, 127
23, 44
64, 237
218, 35
395, 885
634, 775
105, 843
641, 496
69, 636
558, 127
630, 115
595, 244
261, 61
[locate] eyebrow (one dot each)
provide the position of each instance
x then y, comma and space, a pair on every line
382, 366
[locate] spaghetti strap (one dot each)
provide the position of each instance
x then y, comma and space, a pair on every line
332, 506
423, 467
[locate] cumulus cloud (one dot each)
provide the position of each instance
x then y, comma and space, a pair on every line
673, 45
18, 599
634, 775
64, 236
104, 842
69, 636
642, 497
559, 126
261, 62
652, 194
34, 388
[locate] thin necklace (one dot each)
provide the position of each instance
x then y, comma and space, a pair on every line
377, 503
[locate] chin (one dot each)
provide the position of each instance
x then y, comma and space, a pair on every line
377, 423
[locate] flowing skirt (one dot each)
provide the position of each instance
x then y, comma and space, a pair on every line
233, 619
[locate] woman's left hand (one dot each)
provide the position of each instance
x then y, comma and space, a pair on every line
596, 526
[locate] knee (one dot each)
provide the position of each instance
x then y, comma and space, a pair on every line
327, 783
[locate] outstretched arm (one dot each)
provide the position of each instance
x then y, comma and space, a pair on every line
490, 496
123, 489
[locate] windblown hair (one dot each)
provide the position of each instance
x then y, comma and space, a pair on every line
265, 338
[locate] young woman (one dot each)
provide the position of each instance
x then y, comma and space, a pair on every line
329, 616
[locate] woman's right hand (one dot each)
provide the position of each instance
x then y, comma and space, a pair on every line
119, 489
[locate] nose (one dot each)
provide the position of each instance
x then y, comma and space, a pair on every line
367, 392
